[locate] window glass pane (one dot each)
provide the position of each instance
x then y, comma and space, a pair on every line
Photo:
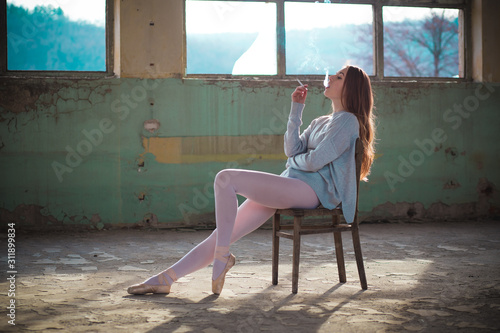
421, 42
56, 35
321, 36
229, 37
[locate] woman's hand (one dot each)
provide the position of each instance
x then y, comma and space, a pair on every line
300, 94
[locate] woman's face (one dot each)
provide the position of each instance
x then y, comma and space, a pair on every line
336, 82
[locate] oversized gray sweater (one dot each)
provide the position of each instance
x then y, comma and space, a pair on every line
323, 157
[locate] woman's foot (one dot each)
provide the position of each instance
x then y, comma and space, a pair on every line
142, 288
218, 283
158, 284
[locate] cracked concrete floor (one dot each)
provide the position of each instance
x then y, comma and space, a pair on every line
422, 277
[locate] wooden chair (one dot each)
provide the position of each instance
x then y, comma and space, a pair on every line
296, 230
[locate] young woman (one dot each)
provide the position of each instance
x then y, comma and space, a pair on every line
320, 170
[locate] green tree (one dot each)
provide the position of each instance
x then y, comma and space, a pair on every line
45, 39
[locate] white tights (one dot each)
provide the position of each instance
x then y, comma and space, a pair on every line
264, 192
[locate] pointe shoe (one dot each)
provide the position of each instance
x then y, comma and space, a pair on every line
218, 283
143, 288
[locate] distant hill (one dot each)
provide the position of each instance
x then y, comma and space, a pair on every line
45, 39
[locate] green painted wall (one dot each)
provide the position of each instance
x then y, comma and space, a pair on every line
71, 151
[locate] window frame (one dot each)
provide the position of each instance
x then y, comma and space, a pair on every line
465, 50
51, 73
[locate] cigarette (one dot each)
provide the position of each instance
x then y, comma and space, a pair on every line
300, 83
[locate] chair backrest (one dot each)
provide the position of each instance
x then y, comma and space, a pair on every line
358, 157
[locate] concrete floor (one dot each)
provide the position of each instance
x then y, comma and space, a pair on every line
422, 277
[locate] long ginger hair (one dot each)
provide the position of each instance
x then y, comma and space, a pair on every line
357, 98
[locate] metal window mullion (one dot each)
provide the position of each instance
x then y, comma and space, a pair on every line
184, 41
110, 37
378, 41
3, 37
280, 38
466, 45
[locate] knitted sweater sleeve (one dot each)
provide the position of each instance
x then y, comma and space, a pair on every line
337, 140
296, 143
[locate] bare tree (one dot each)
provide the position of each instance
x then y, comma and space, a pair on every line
427, 47
437, 36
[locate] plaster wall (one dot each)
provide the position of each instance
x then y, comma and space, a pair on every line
485, 40
77, 151
491, 27
151, 38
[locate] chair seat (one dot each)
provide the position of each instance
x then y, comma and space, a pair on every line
320, 211
312, 229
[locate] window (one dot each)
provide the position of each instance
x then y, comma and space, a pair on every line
56, 36
236, 38
421, 42
387, 38
319, 37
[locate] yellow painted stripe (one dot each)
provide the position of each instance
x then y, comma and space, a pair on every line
170, 151
165, 150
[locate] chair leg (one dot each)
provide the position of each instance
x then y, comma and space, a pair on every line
297, 222
359, 258
339, 251
276, 248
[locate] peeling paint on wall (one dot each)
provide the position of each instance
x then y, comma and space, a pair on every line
151, 125
35, 217
31, 95
23, 98
439, 210
28, 215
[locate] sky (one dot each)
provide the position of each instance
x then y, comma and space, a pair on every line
213, 17
243, 17
92, 11
248, 17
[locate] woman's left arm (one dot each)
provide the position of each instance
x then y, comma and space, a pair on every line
336, 141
